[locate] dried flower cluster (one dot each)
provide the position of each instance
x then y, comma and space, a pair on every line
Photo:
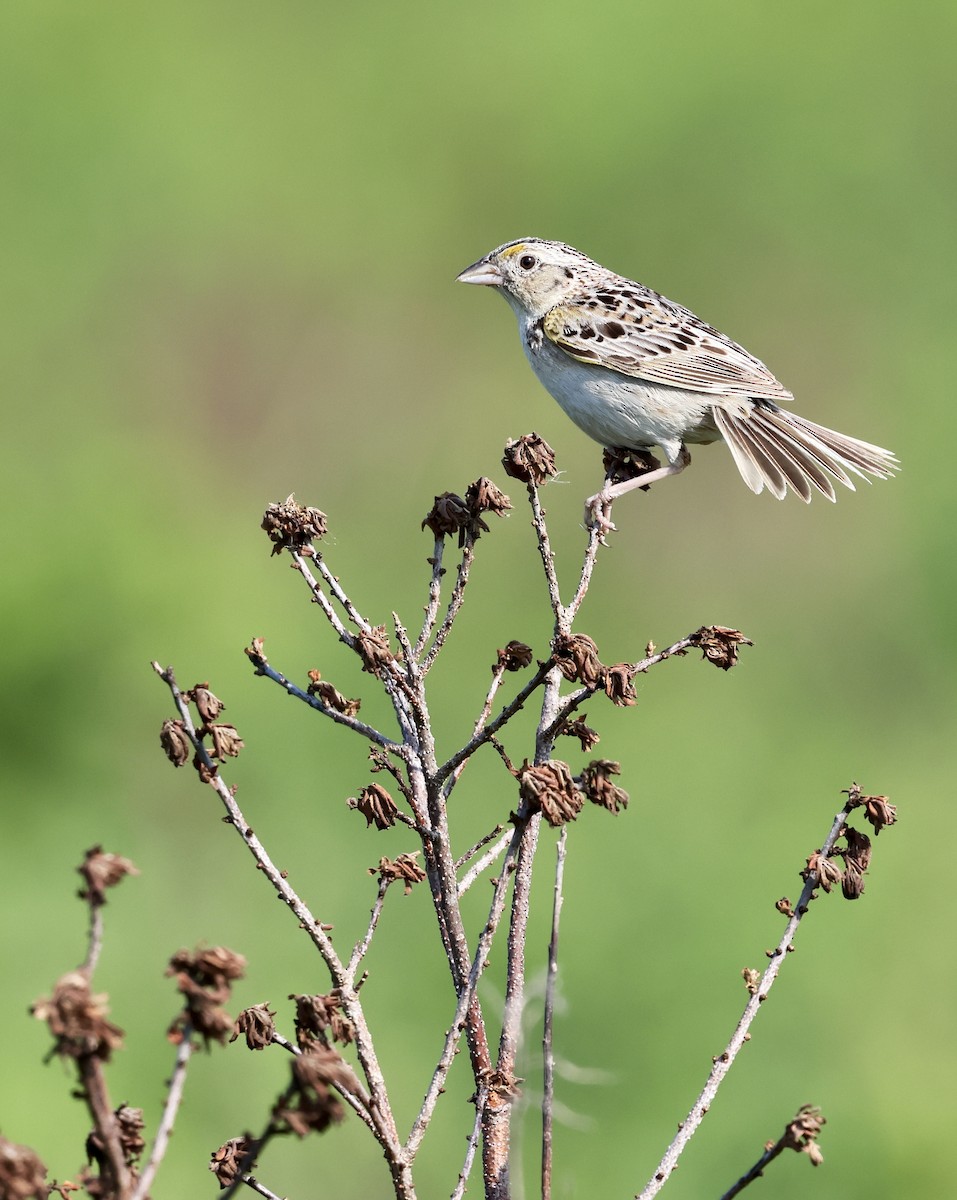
404, 868
578, 661
331, 696
451, 514
77, 1019
101, 871
530, 460
376, 805
181, 743
292, 526
22, 1175
205, 978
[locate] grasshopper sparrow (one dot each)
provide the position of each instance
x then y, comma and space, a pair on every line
634, 370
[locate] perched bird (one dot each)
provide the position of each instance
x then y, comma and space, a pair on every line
635, 370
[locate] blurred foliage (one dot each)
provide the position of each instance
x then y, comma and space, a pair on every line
228, 239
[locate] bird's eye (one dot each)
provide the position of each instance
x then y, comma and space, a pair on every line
527, 261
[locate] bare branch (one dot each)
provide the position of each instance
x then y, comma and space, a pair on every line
174, 1098
435, 596
722, 1063
362, 947
548, 1050
340, 718
455, 604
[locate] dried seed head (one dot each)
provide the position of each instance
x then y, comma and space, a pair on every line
577, 659
258, 1026
483, 496
330, 696
294, 526
404, 867
102, 871
315, 1106
22, 1174
77, 1020
514, 657
596, 783
588, 737
319, 1017
449, 514
802, 1133
550, 789
376, 805
827, 871
372, 647
213, 966
234, 1158
529, 459
256, 653
719, 645
175, 742
620, 685
751, 979
208, 705
877, 809
226, 742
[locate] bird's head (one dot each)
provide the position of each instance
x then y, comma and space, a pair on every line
532, 274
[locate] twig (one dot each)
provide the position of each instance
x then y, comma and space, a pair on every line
548, 557
479, 868
498, 673
94, 940
340, 718
473, 850
722, 1064
548, 1051
435, 596
174, 1098
800, 1134
484, 734
252, 1182
383, 1119
588, 566
460, 1187
575, 699
361, 948
478, 965
455, 603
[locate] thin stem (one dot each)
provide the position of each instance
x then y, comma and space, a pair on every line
722, 1064
479, 868
360, 727
581, 695
548, 558
455, 603
361, 948
466, 996
595, 540
548, 1051
384, 1121
489, 731
94, 940
253, 1183
460, 1187
174, 1098
435, 596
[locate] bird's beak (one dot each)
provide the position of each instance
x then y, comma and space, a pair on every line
482, 271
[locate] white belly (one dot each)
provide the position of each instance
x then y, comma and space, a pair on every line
618, 410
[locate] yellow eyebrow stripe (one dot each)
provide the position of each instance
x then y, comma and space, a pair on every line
512, 250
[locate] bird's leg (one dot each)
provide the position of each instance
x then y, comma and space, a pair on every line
596, 507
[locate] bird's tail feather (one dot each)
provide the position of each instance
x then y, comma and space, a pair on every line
775, 449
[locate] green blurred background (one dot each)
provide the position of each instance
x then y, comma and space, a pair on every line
229, 239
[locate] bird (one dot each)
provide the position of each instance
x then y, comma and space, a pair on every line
635, 370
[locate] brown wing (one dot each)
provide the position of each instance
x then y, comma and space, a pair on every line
639, 333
